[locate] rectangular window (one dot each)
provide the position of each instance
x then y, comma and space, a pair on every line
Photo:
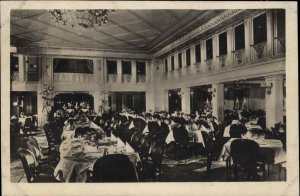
172, 63
260, 29
281, 23
141, 68
73, 66
32, 68
197, 53
166, 65
188, 57
179, 60
239, 37
111, 67
126, 67
209, 49
14, 63
223, 43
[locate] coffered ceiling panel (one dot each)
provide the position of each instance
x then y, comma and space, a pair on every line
132, 30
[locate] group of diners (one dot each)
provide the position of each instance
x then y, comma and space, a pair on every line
155, 134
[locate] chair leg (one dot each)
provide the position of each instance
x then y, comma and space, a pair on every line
235, 172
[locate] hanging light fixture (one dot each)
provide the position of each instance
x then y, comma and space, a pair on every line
83, 18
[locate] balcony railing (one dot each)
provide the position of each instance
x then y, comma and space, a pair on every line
222, 61
141, 78
14, 76
112, 77
126, 78
279, 46
239, 57
258, 51
209, 65
73, 77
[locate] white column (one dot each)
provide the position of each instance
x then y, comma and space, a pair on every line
149, 101
248, 29
215, 60
124, 98
166, 100
113, 102
119, 70
133, 71
186, 100
218, 101
274, 101
270, 27
21, 68
229, 45
203, 54
193, 56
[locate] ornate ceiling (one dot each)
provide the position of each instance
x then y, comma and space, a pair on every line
126, 30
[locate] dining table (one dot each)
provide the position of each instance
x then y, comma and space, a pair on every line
78, 155
274, 144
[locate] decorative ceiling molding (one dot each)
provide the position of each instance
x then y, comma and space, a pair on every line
201, 29
83, 52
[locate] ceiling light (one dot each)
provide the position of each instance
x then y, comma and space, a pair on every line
83, 18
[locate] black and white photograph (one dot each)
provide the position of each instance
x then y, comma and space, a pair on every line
149, 93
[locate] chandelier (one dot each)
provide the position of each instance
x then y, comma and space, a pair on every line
83, 18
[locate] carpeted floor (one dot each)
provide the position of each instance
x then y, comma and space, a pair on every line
184, 169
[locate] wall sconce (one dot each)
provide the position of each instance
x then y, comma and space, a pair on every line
170, 94
15, 103
269, 87
212, 91
180, 94
192, 93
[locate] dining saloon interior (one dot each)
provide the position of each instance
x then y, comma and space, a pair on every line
171, 95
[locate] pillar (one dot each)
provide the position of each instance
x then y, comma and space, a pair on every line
218, 101
203, 55
119, 71
230, 43
124, 102
165, 100
248, 42
21, 68
113, 102
270, 27
186, 100
149, 101
133, 71
215, 60
274, 101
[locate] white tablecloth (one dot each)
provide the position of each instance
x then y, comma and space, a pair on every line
276, 145
79, 164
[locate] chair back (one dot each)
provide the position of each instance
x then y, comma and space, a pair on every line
34, 149
135, 140
208, 142
145, 145
245, 152
236, 130
181, 135
156, 151
29, 163
114, 168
